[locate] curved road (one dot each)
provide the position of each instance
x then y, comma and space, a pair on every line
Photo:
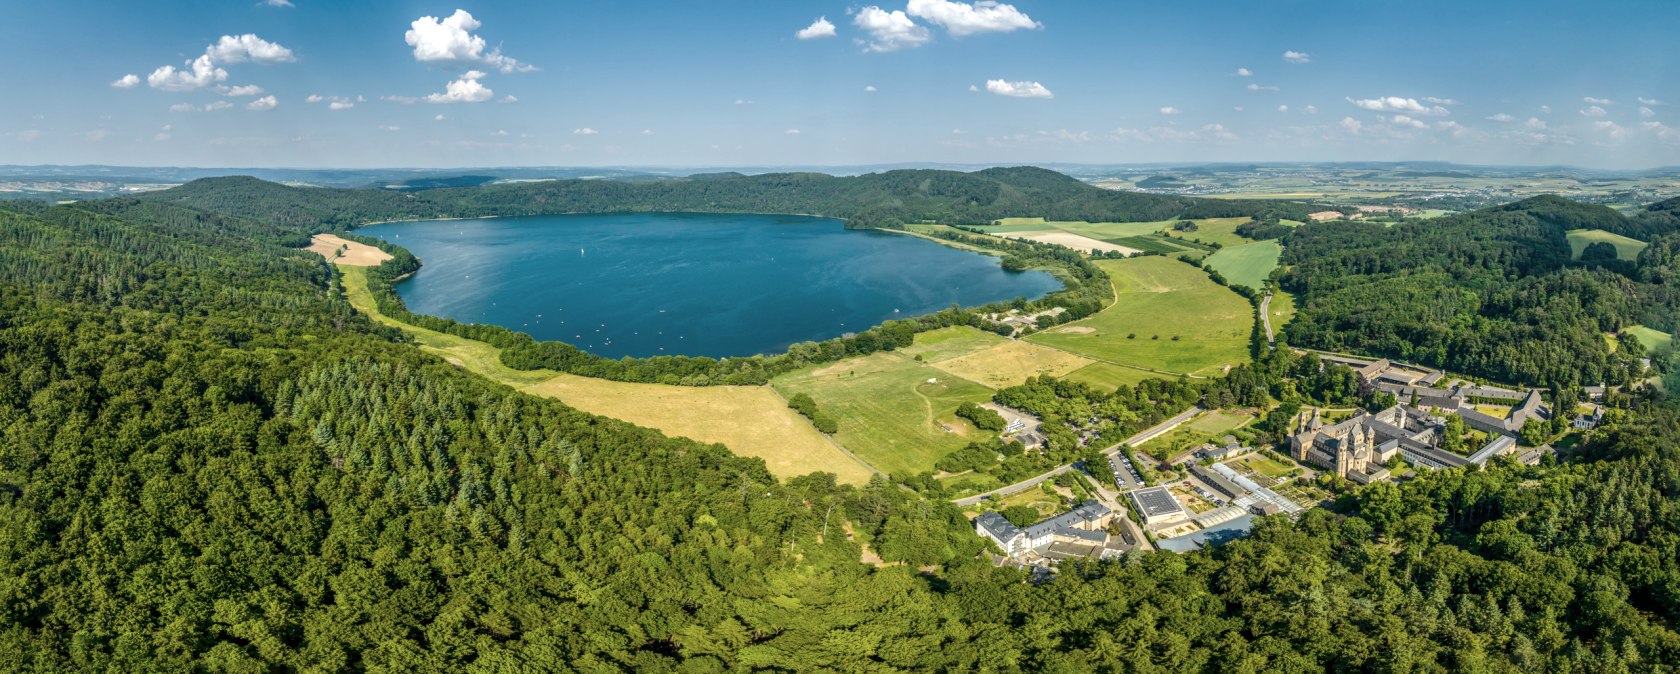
1266, 317
1143, 436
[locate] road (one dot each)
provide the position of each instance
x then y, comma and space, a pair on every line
1266, 317
1143, 436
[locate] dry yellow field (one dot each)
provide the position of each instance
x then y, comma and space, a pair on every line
1012, 363
1077, 242
749, 420
342, 251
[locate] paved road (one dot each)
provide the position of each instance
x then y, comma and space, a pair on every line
1143, 436
1266, 317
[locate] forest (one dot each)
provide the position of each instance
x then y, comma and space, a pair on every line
208, 461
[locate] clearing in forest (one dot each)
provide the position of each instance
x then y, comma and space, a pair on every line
1248, 264
339, 250
1158, 299
1626, 248
749, 420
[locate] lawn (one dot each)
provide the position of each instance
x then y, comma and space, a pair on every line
1281, 309
1653, 339
1626, 248
1159, 298
1264, 465
947, 343
1011, 363
889, 414
1248, 264
1207, 426
749, 420
1109, 376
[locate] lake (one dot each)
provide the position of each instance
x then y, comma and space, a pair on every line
649, 284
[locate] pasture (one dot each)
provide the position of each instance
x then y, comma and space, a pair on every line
1248, 264
749, 420
890, 414
1626, 248
1653, 339
1160, 299
1012, 363
947, 343
1108, 376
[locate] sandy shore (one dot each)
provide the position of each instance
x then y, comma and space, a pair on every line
338, 250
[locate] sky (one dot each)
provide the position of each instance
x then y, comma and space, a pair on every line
465, 83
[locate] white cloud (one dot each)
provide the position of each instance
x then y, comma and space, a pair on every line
1283, 108
439, 118
340, 105
1237, 109
314, 98
585, 131
743, 101
1311, 109
1665, 133
1021, 89
220, 105
242, 90
1597, 101
1613, 129
203, 73
647, 132
958, 132
278, 3
503, 132
1244, 72
961, 18
264, 103
1535, 123
183, 107
1545, 109
1293, 56
889, 31
95, 135
451, 40
1219, 132
126, 81
1501, 117
1403, 120
870, 89
510, 98
467, 89
1439, 101
1169, 110
383, 127
1257, 87
248, 47
1648, 101
792, 132
1352, 125
1593, 111
1646, 112
820, 28
1398, 104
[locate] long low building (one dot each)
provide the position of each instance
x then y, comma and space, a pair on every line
1084, 525
1156, 505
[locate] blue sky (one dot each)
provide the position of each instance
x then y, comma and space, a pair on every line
487, 83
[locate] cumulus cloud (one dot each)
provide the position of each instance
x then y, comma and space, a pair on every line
278, 3
242, 90
248, 47
383, 127
889, 31
870, 89
1293, 56
820, 28
467, 89
1501, 117
1545, 109
1244, 72
1311, 109
1613, 129
961, 18
451, 40
792, 132
1597, 101
1647, 112
1283, 108
1665, 133
341, 105
1439, 101
1257, 87
743, 101
126, 81
585, 131
1403, 120
264, 103
183, 107
1648, 101
1535, 123
201, 72
1021, 89
1409, 106
1352, 125
1169, 110
1593, 111
439, 117
1218, 132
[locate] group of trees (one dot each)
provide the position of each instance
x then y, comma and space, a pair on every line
209, 462
806, 406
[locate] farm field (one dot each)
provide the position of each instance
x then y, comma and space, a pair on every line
1109, 376
1160, 298
1012, 363
1626, 248
1222, 231
1652, 338
749, 420
889, 414
947, 343
1248, 264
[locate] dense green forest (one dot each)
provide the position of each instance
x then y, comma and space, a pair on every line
209, 462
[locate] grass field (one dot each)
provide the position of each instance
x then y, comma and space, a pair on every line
1263, 465
1109, 376
1248, 264
1011, 363
749, 420
1222, 231
1160, 298
1653, 339
1207, 426
1626, 248
889, 414
1281, 310
947, 343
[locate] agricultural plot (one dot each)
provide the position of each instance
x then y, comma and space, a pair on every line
1168, 316
1626, 248
1222, 231
1012, 363
894, 412
947, 343
1248, 264
1108, 376
749, 420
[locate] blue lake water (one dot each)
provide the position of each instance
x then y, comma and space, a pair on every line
649, 284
